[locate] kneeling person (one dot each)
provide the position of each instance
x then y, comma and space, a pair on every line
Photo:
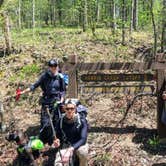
71, 136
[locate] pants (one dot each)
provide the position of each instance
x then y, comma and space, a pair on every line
81, 153
46, 133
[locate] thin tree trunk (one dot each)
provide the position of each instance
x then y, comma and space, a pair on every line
113, 15
163, 37
60, 11
123, 22
33, 14
98, 11
19, 14
131, 21
135, 14
53, 12
7, 35
85, 16
154, 29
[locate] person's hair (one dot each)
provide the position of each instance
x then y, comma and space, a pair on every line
70, 102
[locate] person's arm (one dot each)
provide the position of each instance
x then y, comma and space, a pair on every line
62, 90
33, 86
83, 138
25, 91
37, 83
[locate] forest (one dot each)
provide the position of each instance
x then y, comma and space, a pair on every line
113, 53
124, 16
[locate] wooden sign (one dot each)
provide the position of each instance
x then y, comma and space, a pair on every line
134, 89
117, 77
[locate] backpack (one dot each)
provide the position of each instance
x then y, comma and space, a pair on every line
65, 77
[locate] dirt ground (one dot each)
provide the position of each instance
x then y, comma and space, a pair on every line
133, 143
110, 143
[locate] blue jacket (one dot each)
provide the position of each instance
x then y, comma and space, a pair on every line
74, 135
51, 85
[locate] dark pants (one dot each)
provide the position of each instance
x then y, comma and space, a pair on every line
46, 133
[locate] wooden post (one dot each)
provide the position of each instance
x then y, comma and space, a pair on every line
160, 103
73, 86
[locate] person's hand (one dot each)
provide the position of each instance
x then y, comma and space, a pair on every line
164, 96
71, 149
67, 155
56, 143
62, 100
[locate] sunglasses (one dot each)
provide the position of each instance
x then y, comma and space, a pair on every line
70, 108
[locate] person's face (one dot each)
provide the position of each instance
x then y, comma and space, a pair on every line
53, 69
70, 111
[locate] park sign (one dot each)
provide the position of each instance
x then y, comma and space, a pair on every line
117, 77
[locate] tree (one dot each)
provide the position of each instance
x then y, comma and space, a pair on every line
132, 15
19, 14
135, 14
154, 28
163, 38
123, 22
6, 29
33, 14
85, 16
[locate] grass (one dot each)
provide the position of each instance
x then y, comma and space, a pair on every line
153, 142
56, 42
26, 72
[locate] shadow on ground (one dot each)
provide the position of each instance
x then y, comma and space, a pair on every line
141, 136
33, 131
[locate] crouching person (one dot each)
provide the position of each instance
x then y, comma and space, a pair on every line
71, 138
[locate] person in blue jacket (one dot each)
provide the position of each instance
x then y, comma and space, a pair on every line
72, 132
53, 88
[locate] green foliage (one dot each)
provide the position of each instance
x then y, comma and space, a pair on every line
26, 71
153, 142
71, 12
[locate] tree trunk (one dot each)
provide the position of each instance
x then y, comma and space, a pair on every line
60, 11
135, 14
33, 14
19, 14
98, 11
132, 16
85, 16
7, 35
163, 37
113, 15
154, 29
123, 22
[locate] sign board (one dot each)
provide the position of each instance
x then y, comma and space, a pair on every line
134, 89
117, 77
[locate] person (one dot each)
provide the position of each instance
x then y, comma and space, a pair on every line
72, 135
53, 87
163, 115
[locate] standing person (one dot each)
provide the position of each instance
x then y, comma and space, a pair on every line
72, 131
53, 87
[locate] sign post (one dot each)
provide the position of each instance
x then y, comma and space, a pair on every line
73, 87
